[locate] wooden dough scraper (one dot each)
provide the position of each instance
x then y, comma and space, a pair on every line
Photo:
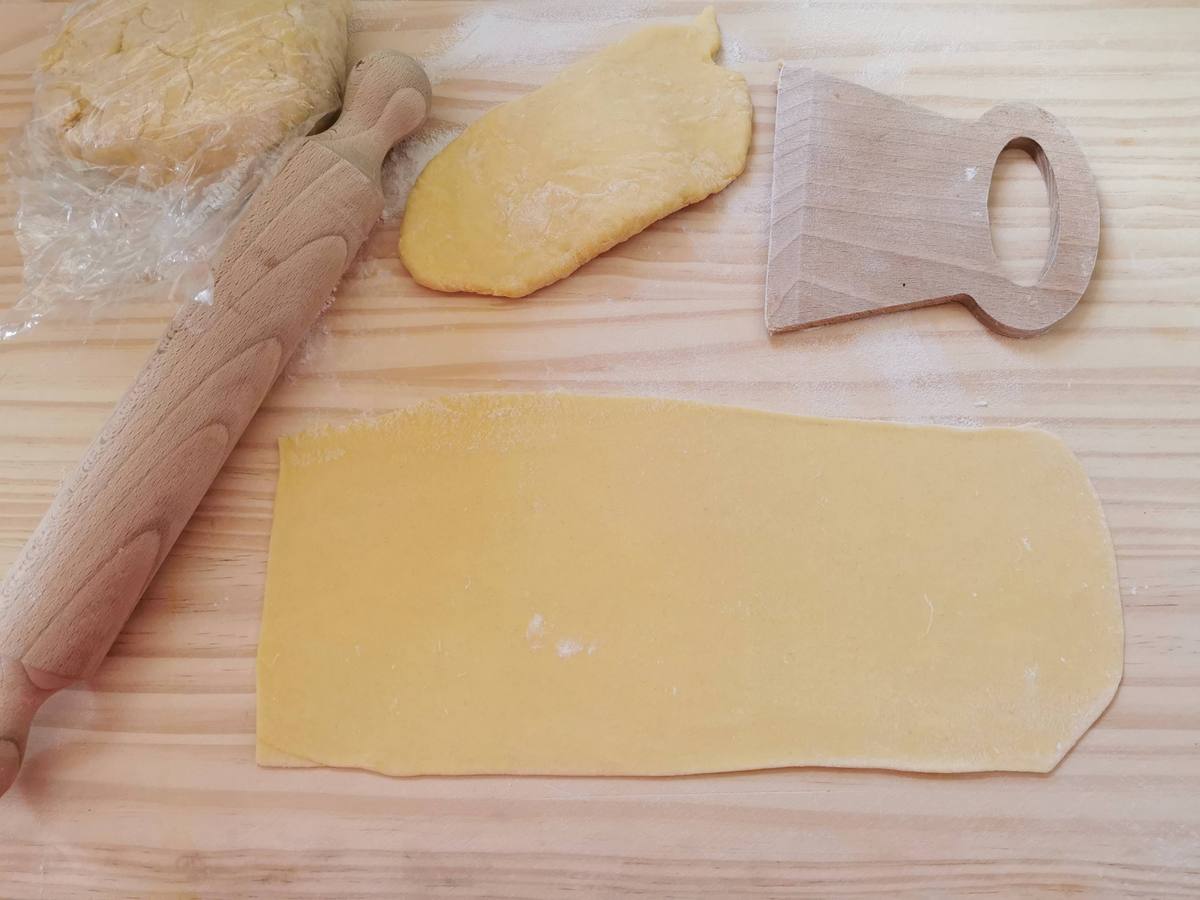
82, 572
879, 206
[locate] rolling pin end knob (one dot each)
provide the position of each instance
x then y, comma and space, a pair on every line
19, 700
387, 96
10, 764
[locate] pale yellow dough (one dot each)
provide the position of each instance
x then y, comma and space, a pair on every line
539, 186
182, 88
564, 584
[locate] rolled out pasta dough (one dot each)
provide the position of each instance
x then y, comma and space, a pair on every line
539, 186
582, 585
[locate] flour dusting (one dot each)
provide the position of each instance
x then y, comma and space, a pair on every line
534, 630
491, 38
890, 369
568, 647
883, 73
733, 51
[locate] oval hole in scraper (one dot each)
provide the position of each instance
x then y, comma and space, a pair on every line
1019, 212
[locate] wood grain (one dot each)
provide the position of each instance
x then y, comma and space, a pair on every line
878, 205
141, 781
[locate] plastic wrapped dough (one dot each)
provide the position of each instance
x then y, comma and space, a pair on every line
153, 122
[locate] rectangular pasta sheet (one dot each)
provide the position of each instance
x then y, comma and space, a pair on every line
584, 585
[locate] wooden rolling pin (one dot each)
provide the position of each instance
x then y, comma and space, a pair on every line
113, 522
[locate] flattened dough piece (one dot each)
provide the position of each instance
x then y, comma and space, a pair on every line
539, 186
187, 87
582, 585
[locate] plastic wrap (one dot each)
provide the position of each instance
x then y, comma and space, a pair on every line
153, 122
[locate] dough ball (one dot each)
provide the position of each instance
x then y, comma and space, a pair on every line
181, 88
537, 187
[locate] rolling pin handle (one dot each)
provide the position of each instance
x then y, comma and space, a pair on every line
1025, 310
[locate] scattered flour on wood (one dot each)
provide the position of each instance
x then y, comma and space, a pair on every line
539, 35
733, 51
889, 368
883, 73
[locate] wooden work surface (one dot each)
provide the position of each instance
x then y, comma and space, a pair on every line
142, 781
